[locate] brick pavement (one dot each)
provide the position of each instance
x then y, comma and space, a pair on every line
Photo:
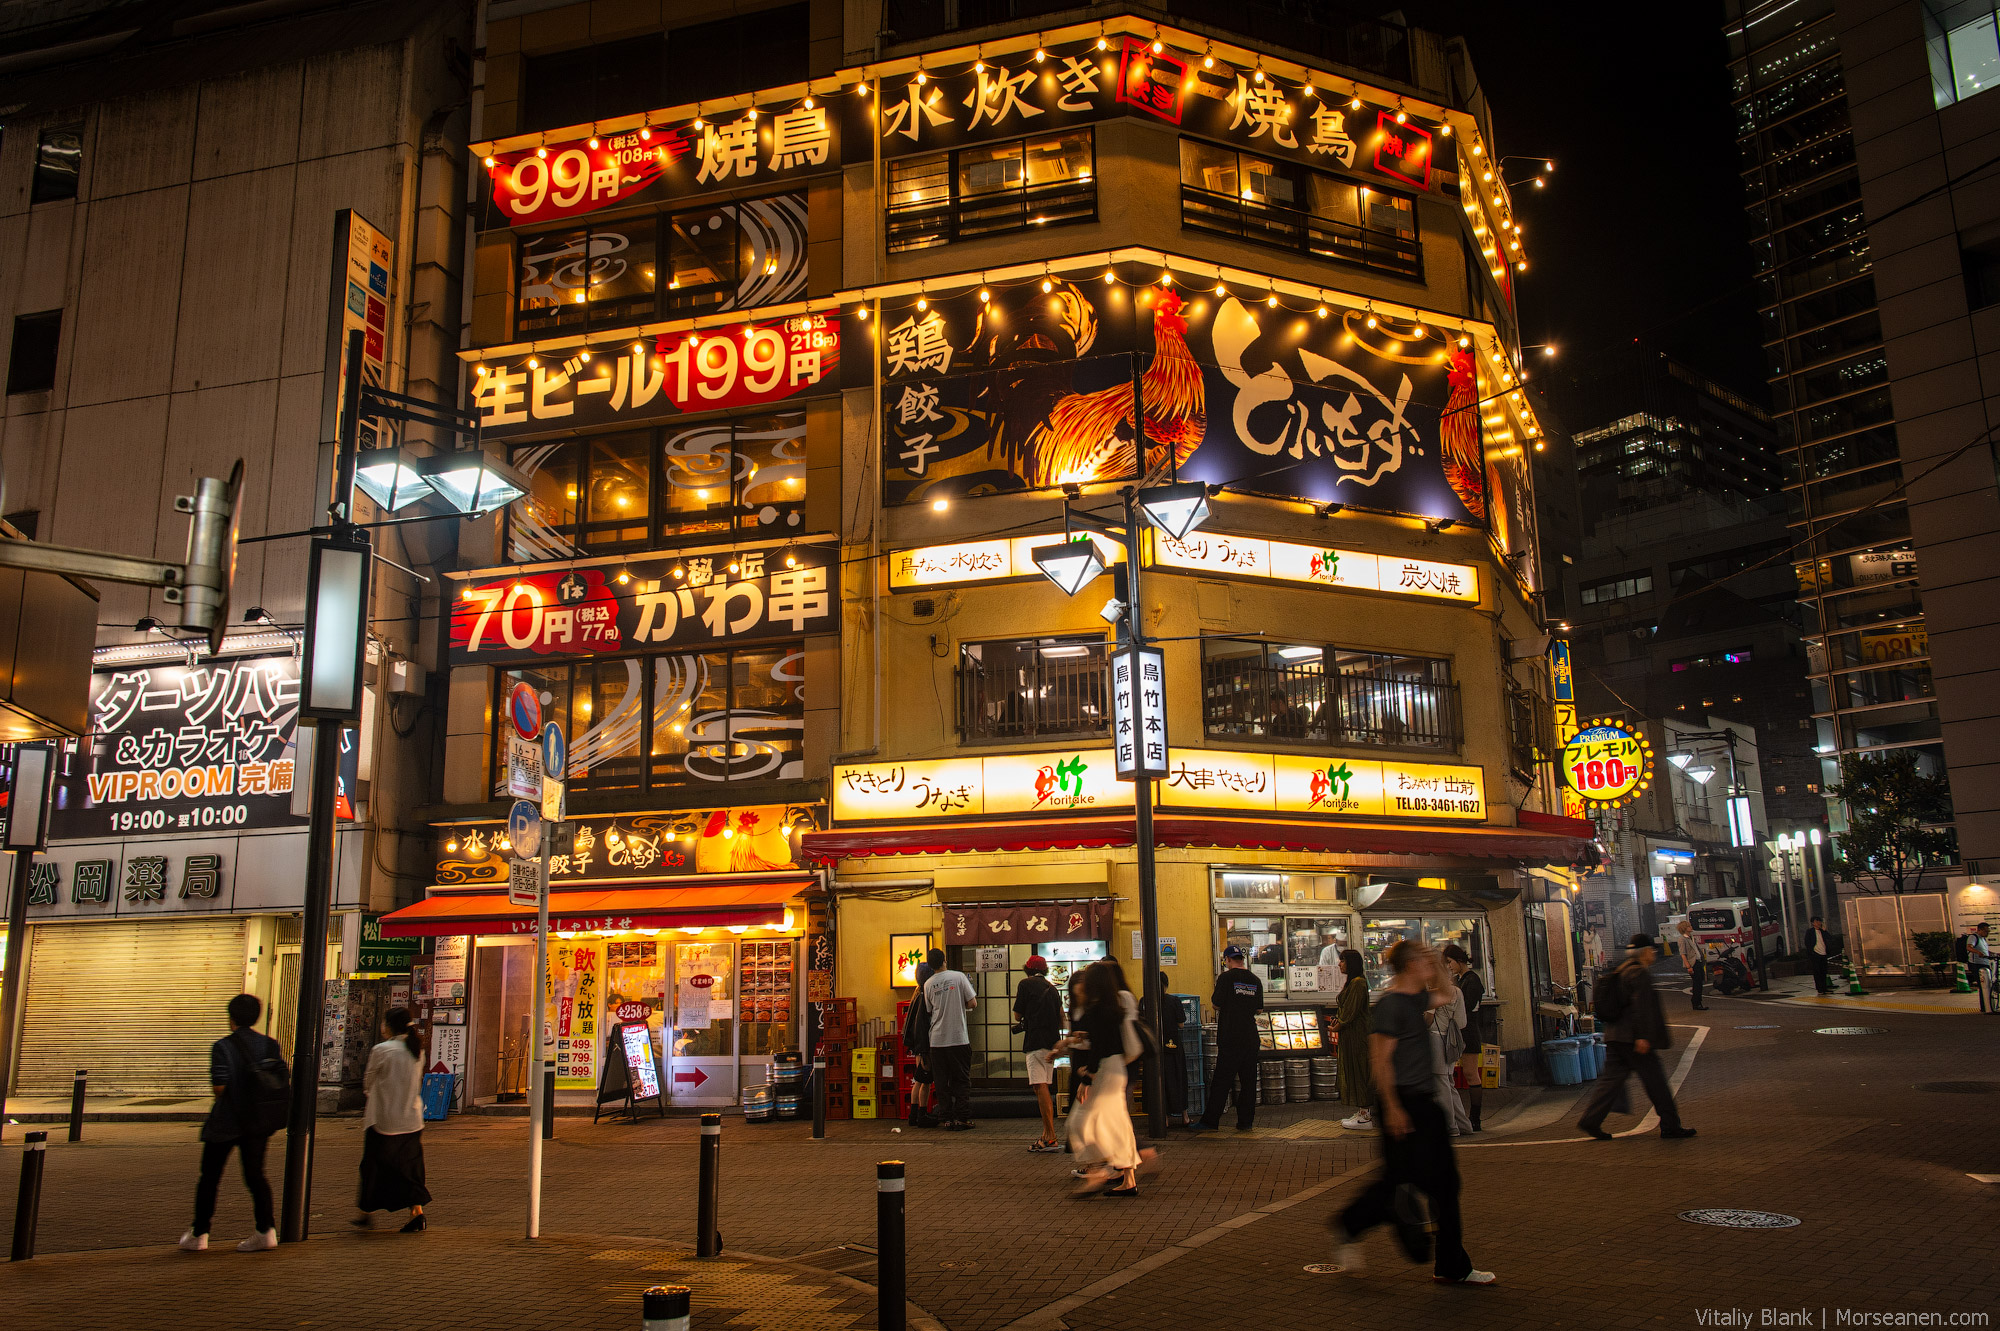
1831, 1129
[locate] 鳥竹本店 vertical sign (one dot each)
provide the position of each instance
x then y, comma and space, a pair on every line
1139, 704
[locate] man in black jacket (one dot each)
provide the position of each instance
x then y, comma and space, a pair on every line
232, 1122
1632, 1043
1819, 949
1238, 998
1038, 1019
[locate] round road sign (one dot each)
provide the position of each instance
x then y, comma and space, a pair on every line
524, 709
524, 829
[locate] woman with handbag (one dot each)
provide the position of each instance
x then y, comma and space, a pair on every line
1478, 1024
1447, 1033
392, 1138
917, 1040
1101, 1130
1357, 1086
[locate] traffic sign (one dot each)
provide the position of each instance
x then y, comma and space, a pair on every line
524, 883
524, 829
524, 709
555, 767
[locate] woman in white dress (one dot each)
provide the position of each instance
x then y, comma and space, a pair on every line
1101, 1130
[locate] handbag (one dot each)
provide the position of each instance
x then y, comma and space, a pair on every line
1140, 1042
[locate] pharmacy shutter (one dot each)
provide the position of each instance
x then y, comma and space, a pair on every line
136, 1004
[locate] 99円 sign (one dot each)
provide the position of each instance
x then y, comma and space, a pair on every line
1607, 763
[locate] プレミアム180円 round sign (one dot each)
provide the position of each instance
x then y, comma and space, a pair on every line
1608, 763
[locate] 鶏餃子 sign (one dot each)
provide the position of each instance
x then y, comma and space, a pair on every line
695, 600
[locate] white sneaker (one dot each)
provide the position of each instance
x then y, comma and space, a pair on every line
258, 1242
1470, 1278
1348, 1258
1358, 1120
193, 1242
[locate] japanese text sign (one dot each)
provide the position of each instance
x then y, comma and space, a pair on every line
1607, 763
983, 561
713, 369
1139, 712
579, 612
1326, 566
1034, 922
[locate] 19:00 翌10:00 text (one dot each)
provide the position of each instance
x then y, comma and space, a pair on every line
161, 820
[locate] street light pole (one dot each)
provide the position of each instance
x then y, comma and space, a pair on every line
1142, 800
1748, 870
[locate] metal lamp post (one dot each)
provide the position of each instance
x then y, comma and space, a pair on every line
1743, 840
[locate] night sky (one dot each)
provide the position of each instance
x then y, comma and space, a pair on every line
1640, 232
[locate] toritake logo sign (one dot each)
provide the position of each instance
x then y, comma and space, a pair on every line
1607, 763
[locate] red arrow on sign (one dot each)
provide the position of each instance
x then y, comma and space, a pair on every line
697, 1077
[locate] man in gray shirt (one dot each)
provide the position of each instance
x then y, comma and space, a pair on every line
949, 996
1416, 1138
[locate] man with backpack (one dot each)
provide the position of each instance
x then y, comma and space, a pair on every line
1038, 1020
1635, 1030
252, 1101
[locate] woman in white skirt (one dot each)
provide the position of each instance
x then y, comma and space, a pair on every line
1101, 1131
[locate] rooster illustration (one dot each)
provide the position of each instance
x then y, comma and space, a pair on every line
1464, 467
1088, 435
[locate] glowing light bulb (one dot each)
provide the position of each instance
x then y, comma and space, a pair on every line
922, 304
1040, 55
1321, 311
1158, 46
922, 78
940, 505
1208, 62
1355, 105
1272, 300
984, 295
593, 141
491, 162
1047, 285
541, 152
1102, 44
645, 131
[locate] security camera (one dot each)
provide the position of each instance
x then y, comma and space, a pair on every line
1113, 611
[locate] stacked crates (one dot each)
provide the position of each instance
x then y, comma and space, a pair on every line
866, 1101
1193, 1047
904, 1062
836, 1046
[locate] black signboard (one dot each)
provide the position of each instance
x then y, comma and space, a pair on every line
631, 1073
1347, 407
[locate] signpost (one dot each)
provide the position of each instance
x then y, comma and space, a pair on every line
543, 836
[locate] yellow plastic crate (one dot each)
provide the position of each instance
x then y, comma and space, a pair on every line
864, 1106
863, 1084
864, 1061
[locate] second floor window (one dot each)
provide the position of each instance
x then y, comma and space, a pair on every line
1307, 693
645, 488
1031, 688
1019, 185
1278, 203
58, 164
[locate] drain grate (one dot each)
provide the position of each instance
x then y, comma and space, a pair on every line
1324, 1268
966, 1268
1759, 1028
1731, 1219
1960, 1087
1852, 1030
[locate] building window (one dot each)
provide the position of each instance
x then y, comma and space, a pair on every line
1615, 589
1032, 688
736, 256
1964, 58
645, 488
991, 188
31, 358
574, 280
594, 83
718, 716
1981, 266
1277, 203
1737, 656
58, 163
1304, 693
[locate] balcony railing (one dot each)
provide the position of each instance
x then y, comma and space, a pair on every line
1289, 228
1064, 697
1302, 704
916, 226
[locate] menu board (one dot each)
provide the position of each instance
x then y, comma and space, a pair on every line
1288, 1029
766, 989
639, 1064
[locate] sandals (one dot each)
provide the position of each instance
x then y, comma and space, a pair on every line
1045, 1144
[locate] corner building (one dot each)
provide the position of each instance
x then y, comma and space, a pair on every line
805, 373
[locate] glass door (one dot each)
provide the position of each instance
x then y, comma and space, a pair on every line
701, 1065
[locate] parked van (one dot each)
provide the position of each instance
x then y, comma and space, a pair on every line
1722, 921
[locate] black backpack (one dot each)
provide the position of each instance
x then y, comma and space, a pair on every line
1612, 1002
264, 1091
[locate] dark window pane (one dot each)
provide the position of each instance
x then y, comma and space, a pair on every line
31, 360
771, 468
695, 471
580, 279
690, 695
594, 83
543, 525
1032, 687
767, 715
58, 163
621, 486
766, 49
991, 188
606, 721
1982, 274
552, 683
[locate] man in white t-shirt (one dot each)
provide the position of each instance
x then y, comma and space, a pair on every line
949, 996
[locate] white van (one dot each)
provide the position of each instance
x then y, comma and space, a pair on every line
1722, 921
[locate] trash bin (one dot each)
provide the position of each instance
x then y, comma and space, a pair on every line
1595, 1046
1565, 1062
438, 1087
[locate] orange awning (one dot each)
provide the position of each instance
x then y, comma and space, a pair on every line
757, 904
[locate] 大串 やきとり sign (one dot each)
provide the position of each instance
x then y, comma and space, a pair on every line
580, 612
712, 369
174, 748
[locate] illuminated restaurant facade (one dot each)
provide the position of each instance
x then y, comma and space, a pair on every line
803, 375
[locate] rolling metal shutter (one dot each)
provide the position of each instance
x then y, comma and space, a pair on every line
136, 1004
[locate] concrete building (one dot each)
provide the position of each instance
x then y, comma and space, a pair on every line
170, 192
1866, 140
809, 350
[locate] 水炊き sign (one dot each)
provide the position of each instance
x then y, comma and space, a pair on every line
1607, 763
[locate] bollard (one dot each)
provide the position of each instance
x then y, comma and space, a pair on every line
548, 1099
76, 1105
889, 1309
1958, 984
707, 1241
819, 1099
28, 1204
666, 1308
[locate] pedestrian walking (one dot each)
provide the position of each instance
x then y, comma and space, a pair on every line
1447, 1023
239, 1120
1038, 1020
392, 1127
1101, 1131
1416, 1140
1238, 998
917, 1040
949, 996
1979, 964
1350, 1017
1632, 1042
1694, 957
1819, 951
1079, 1080
1478, 1026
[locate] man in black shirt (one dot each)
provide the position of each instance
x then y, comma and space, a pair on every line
1238, 998
1416, 1136
1038, 1019
1632, 1043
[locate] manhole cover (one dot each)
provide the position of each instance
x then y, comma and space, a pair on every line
1762, 1028
1324, 1268
1741, 1219
1852, 1030
967, 1267
1960, 1087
